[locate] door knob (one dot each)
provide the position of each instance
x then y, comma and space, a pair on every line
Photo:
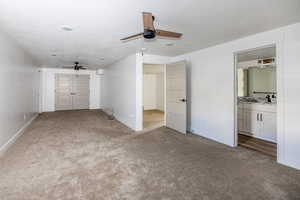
183, 100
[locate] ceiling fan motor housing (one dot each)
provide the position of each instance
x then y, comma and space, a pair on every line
149, 34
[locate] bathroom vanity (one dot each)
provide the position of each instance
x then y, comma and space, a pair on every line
257, 120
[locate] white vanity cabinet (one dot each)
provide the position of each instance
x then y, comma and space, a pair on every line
251, 125
268, 126
257, 120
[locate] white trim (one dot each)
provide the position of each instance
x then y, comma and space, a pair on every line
280, 98
14, 138
165, 94
139, 91
235, 93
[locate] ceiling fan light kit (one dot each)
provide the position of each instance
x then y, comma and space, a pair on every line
149, 30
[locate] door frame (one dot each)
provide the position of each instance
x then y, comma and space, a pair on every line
280, 98
142, 93
142, 59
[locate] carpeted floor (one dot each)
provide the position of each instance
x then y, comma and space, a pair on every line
80, 155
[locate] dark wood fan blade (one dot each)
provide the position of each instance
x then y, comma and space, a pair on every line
132, 36
148, 21
168, 34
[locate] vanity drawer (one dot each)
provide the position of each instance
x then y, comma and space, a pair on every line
261, 107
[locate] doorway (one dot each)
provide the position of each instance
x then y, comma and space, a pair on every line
173, 90
153, 96
256, 100
72, 92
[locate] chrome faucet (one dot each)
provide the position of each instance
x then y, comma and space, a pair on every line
268, 97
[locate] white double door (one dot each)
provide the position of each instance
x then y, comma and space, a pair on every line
72, 92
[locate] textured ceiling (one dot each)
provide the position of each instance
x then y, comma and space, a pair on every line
98, 26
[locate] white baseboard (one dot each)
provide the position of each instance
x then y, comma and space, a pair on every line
14, 138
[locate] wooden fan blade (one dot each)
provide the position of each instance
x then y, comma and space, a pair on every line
168, 34
132, 36
68, 67
148, 21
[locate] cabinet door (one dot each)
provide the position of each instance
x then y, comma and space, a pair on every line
252, 125
81, 92
268, 126
241, 120
63, 92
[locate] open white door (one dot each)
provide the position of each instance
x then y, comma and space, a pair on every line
176, 96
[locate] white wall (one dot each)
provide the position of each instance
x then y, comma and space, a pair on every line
160, 92
119, 90
291, 77
211, 90
154, 94
150, 92
19, 86
48, 87
211, 98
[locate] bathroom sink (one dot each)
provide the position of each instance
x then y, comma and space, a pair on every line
252, 101
249, 100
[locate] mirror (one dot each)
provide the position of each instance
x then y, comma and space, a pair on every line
256, 81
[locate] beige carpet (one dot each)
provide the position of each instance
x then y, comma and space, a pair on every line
82, 156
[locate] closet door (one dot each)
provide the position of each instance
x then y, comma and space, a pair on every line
63, 92
81, 92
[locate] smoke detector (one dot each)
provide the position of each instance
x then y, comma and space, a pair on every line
66, 28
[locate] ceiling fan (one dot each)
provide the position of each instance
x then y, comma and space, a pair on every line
150, 32
75, 67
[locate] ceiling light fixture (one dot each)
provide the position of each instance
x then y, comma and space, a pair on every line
66, 28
